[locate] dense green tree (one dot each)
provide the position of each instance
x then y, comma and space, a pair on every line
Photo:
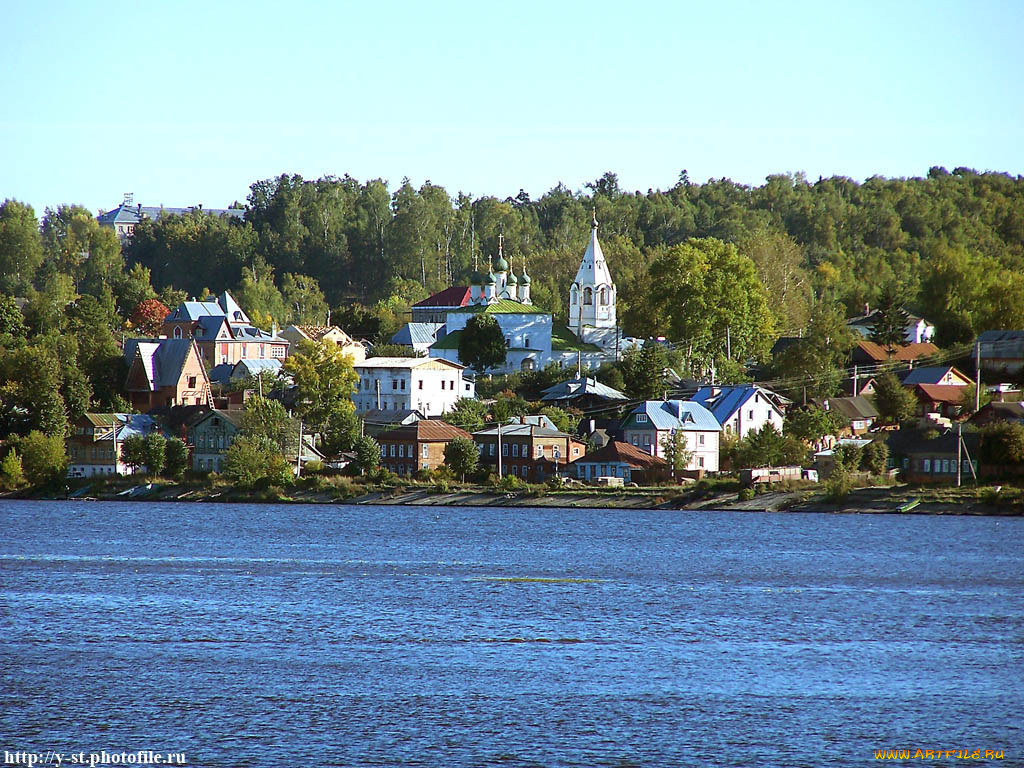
340, 431
893, 401
811, 423
175, 458
507, 406
1002, 443
874, 457
467, 413
133, 452
890, 323
12, 474
324, 381
461, 456
250, 460
482, 344
21, 248
12, 324
267, 419
644, 370
30, 396
304, 300
769, 448
43, 457
814, 365
80, 248
708, 297
367, 452
562, 419
155, 451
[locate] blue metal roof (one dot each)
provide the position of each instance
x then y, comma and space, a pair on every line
417, 333
725, 401
929, 374
567, 390
678, 414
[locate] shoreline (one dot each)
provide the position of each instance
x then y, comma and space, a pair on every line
908, 500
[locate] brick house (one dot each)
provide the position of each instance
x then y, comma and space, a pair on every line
420, 445
531, 447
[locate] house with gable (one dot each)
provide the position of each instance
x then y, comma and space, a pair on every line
124, 218
651, 422
531, 447
916, 331
96, 442
583, 393
295, 334
165, 372
224, 332
743, 408
620, 460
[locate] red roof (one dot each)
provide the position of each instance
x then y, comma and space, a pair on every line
456, 296
942, 393
426, 430
624, 453
904, 352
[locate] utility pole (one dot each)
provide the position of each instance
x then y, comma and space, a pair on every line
298, 453
977, 373
855, 380
959, 447
378, 393
728, 342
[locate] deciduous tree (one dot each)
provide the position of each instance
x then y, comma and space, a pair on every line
461, 456
482, 344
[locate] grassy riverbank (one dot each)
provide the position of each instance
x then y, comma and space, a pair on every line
719, 493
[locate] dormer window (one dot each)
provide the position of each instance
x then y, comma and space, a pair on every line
641, 418
177, 331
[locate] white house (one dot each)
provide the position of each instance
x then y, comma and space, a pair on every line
651, 422
916, 331
428, 385
744, 408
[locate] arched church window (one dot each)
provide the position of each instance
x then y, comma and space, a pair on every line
588, 296
177, 331
604, 294
573, 295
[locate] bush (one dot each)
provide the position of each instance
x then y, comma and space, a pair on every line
175, 458
313, 467
12, 475
43, 459
745, 494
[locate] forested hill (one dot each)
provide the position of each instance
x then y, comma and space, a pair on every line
951, 244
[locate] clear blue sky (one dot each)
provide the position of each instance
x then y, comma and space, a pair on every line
191, 102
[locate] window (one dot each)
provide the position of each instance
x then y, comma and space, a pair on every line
420, 384
394, 384
700, 439
383, 451
945, 465
636, 440
575, 451
538, 451
504, 449
515, 449
526, 341
750, 414
391, 450
191, 382
604, 295
926, 465
402, 382
588, 296
641, 418
425, 452
177, 331
491, 452
647, 439
700, 461
451, 385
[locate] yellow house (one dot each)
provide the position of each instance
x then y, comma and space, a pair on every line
332, 333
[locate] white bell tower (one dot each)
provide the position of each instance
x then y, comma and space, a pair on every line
592, 295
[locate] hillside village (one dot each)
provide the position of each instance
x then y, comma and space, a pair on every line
481, 382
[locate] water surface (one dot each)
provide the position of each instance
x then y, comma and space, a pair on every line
338, 635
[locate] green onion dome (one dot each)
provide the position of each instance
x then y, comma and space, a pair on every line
511, 278
476, 278
525, 278
490, 279
501, 265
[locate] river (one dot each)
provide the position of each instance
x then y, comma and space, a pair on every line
288, 635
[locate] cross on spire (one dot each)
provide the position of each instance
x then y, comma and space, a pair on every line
501, 243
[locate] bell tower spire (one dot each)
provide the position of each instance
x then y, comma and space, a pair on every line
592, 295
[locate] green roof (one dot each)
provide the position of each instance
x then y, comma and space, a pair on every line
502, 307
564, 340
451, 341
